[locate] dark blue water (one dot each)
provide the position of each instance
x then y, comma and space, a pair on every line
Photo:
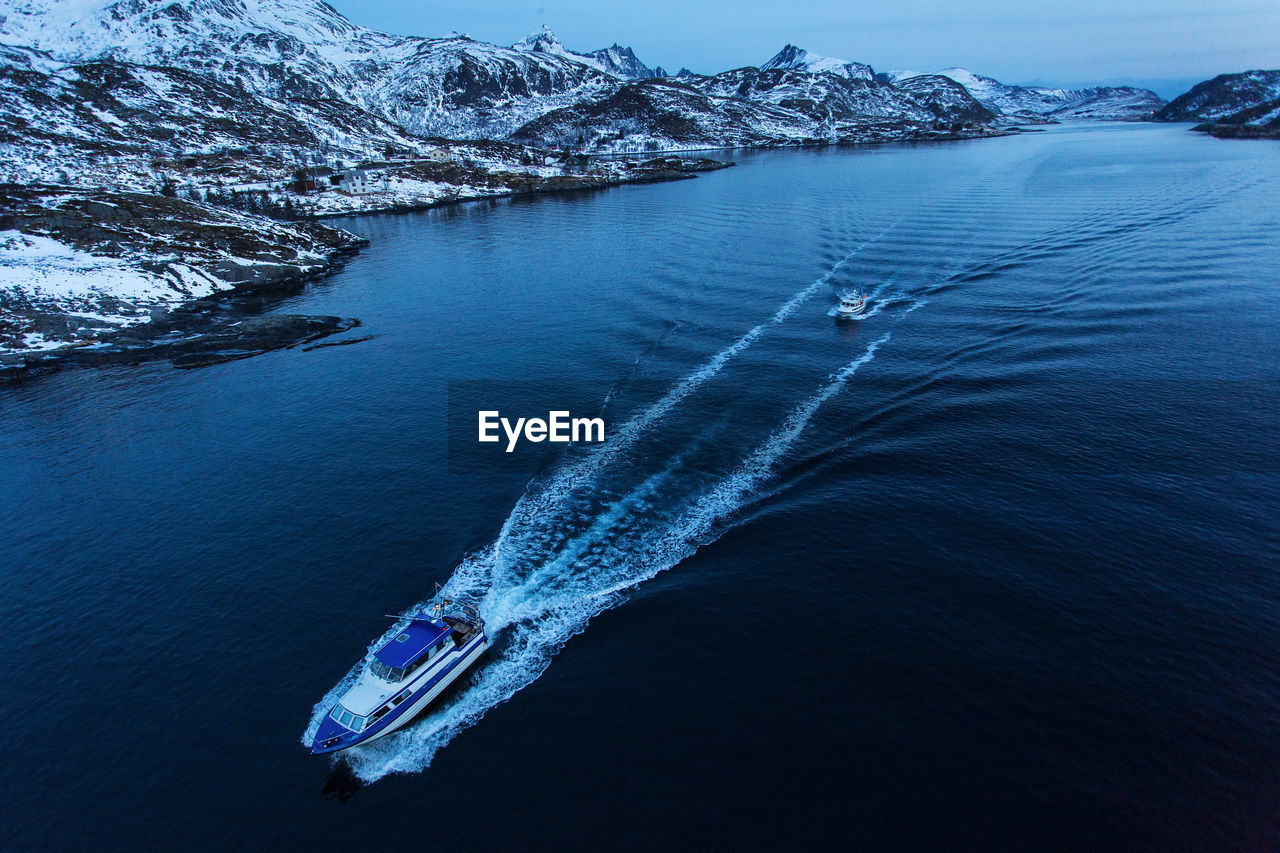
994, 567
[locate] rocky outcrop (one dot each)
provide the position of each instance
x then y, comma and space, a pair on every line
81, 268
1231, 106
200, 335
1223, 96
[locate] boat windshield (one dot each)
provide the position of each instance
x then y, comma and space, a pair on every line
394, 674
348, 719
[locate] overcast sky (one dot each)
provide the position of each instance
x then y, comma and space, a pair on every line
1017, 41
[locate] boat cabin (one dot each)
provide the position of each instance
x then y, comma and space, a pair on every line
409, 650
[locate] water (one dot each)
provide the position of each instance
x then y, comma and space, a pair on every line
993, 566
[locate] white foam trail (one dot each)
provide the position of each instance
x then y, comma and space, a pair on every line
623, 547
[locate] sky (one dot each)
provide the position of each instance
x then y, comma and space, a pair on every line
1166, 44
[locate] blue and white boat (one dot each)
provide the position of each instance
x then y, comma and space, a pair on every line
851, 305
406, 674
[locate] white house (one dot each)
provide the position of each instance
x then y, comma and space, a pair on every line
356, 182
439, 155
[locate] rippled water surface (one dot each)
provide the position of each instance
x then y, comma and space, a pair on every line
994, 566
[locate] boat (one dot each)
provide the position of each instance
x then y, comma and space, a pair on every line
851, 305
405, 675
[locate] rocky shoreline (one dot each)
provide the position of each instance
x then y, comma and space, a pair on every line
1238, 131
119, 277
486, 185
98, 277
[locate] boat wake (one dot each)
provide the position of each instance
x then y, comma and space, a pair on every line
576, 542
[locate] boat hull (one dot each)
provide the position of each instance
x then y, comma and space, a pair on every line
434, 692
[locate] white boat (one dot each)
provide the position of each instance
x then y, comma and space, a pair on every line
405, 675
851, 305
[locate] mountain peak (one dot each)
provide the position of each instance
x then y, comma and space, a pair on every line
541, 39
788, 57
800, 59
622, 62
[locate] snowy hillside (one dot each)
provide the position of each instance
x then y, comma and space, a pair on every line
1245, 105
1223, 96
304, 50
748, 106
106, 123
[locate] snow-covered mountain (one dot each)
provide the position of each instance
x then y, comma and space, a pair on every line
947, 99
1099, 102
292, 76
617, 60
622, 62
799, 59
748, 106
304, 49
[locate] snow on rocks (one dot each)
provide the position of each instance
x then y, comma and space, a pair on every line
77, 266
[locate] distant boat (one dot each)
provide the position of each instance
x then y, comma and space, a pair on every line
851, 305
407, 673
